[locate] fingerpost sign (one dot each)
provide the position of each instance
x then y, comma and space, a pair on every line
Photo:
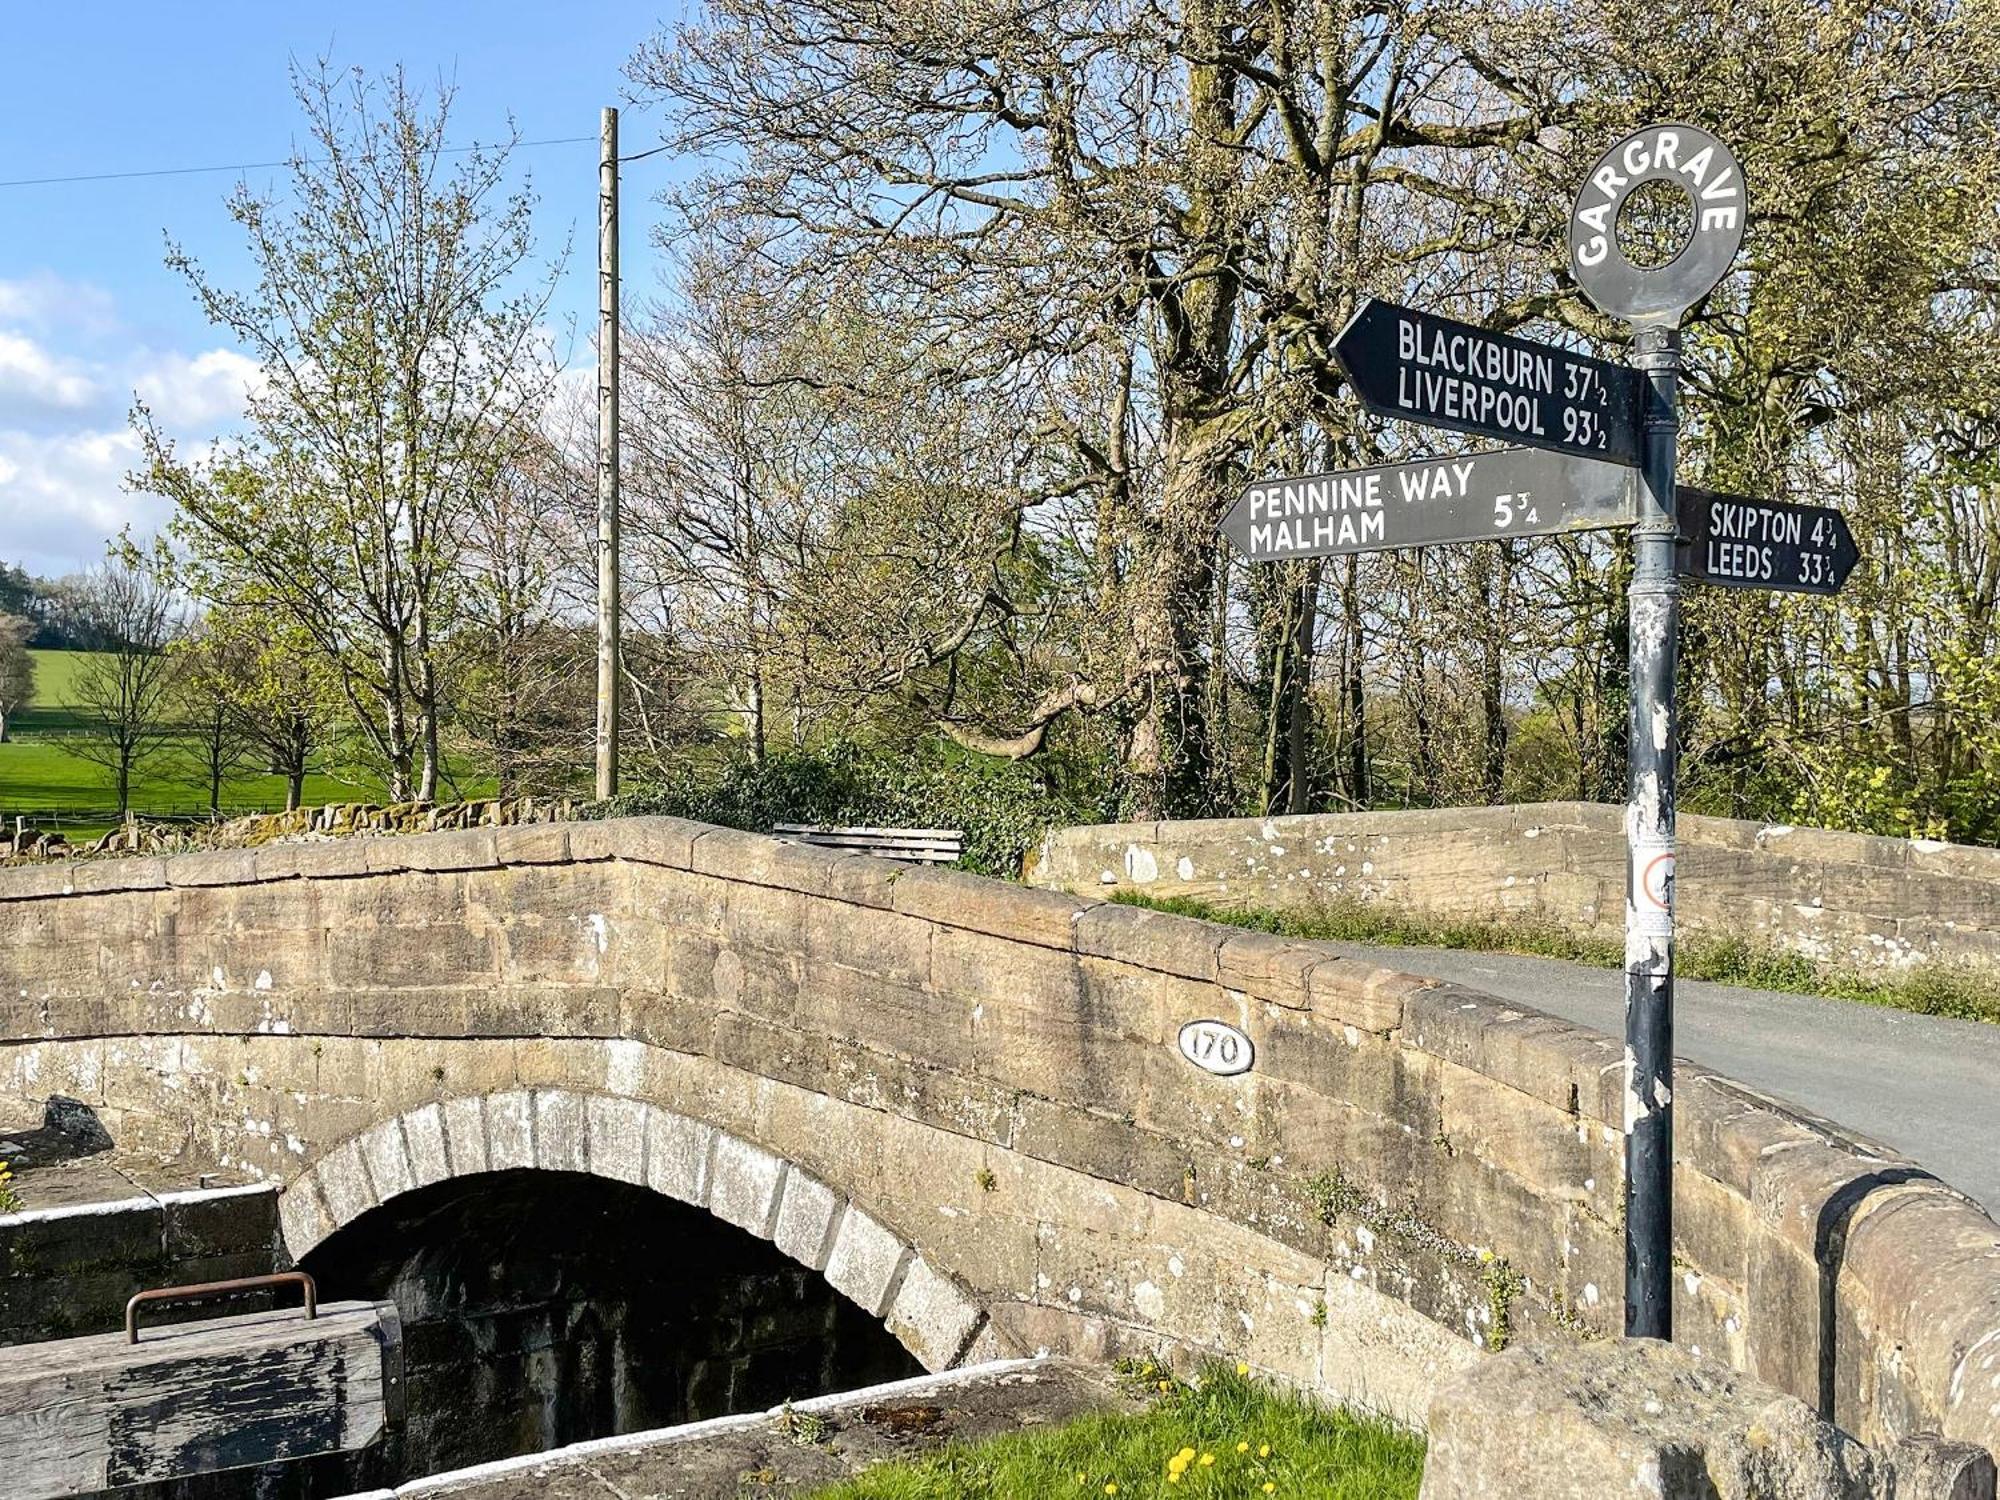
1742, 543
1597, 445
1470, 498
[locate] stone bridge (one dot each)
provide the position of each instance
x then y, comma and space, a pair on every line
962, 1104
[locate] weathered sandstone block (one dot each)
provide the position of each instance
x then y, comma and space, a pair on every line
1633, 1418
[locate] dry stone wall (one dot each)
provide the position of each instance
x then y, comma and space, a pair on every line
988, 1076
1848, 900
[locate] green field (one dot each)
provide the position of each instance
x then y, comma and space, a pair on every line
55, 671
37, 772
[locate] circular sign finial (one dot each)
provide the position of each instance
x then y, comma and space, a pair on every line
1683, 156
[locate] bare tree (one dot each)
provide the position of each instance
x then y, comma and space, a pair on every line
821, 518
124, 693
521, 662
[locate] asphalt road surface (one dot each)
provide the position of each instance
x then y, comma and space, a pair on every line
1925, 1085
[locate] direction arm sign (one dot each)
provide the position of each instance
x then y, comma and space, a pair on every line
1423, 368
1475, 497
1763, 544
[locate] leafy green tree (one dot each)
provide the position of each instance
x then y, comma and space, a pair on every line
123, 694
282, 702
205, 695
396, 319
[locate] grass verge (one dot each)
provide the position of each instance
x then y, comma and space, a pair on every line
1930, 991
37, 773
1225, 1437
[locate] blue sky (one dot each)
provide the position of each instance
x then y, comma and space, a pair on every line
88, 311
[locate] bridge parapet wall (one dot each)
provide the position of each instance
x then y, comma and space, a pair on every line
1848, 900
1408, 1172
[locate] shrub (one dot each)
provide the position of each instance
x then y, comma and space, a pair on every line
1002, 807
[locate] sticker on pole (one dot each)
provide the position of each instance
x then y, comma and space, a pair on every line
1612, 249
1653, 888
1217, 1047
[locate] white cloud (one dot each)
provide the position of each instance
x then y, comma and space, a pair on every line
201, 391
63, 495
46, 301
32, 376
68, 370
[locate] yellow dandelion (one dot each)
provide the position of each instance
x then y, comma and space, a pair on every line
1166, 1385
1111, 1489
1186, 1455
1242, 1447
1264, 1450
1269, 1488
1242, 1367
1207, 1459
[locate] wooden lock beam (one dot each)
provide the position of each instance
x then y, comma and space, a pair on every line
97, 1413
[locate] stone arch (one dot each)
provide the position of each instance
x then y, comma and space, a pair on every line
689, 1160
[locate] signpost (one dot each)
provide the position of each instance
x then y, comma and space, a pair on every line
1423, 368
1597, 423
1763, 544
1477, 497
1653, 299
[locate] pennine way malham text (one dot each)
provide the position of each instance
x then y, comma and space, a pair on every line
1344, 510
1332, 510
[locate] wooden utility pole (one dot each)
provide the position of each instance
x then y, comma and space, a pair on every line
607, 459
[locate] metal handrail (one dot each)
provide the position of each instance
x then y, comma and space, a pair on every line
219, 1289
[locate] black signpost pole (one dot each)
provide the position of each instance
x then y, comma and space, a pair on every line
1649, 825
1653, 299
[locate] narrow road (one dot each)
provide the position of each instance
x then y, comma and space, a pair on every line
1925, 1085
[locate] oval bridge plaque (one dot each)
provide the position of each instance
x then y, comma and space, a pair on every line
1217, 1047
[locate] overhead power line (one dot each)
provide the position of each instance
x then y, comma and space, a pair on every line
257, 166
